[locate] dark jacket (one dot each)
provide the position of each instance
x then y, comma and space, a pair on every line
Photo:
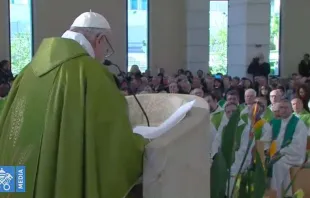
257, 69
304, 68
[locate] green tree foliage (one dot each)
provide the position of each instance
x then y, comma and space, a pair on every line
218, 44
21, 51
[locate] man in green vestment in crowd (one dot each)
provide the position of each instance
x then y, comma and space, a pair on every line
67, 122
300, 111
289, 135
249, 98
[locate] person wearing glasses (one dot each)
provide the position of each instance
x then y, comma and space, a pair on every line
66, 121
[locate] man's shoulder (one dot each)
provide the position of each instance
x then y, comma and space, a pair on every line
88, 65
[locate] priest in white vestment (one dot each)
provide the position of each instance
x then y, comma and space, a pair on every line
290, 135
249, 98
229, 109
240, 153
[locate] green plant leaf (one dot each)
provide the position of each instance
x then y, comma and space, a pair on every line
299, 194
219, 176
259, 178
228, 138
245, 185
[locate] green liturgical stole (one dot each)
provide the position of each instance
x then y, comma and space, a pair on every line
289, 131
268, 116
244, 117
241, 107
238, 136
221, 103
217, 118
305, 117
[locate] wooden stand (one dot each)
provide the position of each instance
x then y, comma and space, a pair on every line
301, 181
270, 194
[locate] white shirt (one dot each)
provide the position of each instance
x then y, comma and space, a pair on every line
80, 38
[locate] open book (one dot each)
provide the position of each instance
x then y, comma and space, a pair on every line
174, 119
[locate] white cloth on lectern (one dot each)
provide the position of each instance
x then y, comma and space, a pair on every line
174, 119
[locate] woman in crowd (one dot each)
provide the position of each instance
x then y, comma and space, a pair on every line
303, 93
264, 92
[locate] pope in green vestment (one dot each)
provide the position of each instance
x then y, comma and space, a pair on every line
67, 122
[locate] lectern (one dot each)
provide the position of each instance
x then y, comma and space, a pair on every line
176, 164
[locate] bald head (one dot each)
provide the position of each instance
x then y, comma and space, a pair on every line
275, 96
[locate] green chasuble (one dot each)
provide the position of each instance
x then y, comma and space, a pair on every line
67, 122
289, 131
239, 132
2, 102
305, 117
221, 103
216, 119
268, 115
241, 107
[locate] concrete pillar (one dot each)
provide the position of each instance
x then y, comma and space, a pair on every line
167, 35
197, 28
52, 18
4, 30
248, 33
295, 31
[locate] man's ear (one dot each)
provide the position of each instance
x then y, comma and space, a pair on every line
99, 38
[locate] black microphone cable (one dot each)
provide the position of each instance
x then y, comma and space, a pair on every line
109, 63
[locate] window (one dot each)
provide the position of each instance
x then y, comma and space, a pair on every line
218, 36
143, 4
20, 34
274, 37
137, 36
133, 4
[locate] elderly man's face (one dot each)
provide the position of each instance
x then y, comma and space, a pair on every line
102, 46
249, 98
229, 110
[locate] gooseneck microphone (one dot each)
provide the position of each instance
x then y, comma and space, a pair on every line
109, 63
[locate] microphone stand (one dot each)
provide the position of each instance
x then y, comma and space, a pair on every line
108, 63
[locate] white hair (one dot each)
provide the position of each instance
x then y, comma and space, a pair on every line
89, 32
250, 91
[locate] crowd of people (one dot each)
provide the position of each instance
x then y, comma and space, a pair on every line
284, 107
202, 84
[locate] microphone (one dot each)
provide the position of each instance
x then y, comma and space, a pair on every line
110, 63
